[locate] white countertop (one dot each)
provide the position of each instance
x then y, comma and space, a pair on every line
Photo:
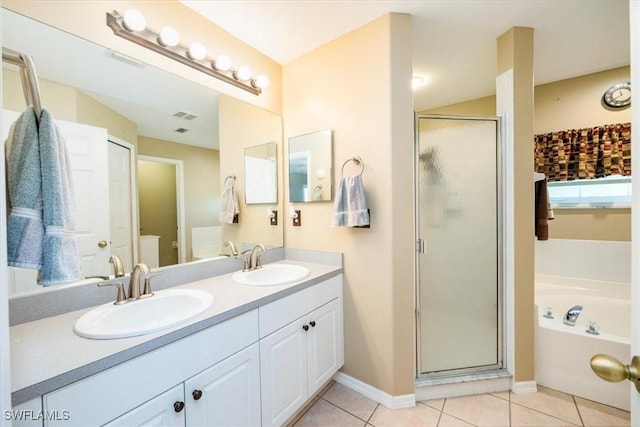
46, 354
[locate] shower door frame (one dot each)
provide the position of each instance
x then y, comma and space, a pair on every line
420, 249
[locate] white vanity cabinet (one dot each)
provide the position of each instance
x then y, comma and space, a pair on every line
28, 414
301, 348
137, 387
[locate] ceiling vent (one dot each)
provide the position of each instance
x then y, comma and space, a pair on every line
181, 130
185, 115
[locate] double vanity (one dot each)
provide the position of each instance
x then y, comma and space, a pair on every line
235, 348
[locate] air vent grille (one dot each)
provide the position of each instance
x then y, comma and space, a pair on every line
185, 115
181, 130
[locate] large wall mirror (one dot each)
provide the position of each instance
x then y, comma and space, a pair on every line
310, 167
141, 122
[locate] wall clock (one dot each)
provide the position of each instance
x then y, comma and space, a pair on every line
618, 95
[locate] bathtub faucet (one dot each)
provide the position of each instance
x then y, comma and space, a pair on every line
572, 314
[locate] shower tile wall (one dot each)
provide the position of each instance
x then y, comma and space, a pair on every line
584, 259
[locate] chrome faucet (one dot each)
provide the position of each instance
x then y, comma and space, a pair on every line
118, 269
140, 270
254, 257
571, 315
232, 248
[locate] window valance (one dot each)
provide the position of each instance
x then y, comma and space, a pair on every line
584, 153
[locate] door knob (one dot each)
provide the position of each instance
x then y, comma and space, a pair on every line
102, 244
611, 369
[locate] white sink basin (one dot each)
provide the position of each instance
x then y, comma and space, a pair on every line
166, 309
271, 275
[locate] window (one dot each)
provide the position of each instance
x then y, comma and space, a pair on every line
613, 191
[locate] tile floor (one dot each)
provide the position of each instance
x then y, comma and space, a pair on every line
340, 406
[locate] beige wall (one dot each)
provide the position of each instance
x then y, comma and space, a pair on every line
369, 109
515, 54
201, 167
157, 193
69, 104
236, 134
87, 19
573, 104
570, 104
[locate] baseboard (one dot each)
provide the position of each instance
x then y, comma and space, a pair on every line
391, 402
524, 387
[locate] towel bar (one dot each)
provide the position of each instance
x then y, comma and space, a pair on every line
357, 160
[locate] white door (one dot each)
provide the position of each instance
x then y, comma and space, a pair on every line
87, 150
228, 393
166, 410
120, 204
88, 154
634, 12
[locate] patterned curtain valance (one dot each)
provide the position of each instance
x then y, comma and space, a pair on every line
584, 153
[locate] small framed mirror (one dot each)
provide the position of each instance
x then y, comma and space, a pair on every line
310, 167
261, 174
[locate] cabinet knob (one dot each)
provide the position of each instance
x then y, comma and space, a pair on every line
178, 406
197, 394
313, 323
305, 327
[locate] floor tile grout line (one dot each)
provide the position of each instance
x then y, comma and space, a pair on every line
371, 416
344, 410
546, 414
578, 409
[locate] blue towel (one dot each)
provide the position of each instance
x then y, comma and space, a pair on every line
25, 230
40, 201
350, 206
61, 259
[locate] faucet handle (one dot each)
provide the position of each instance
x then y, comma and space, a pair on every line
146, 292
121, 297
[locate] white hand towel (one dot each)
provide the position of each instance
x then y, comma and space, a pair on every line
229, 207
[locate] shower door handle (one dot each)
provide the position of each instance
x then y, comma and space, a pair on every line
611, 369
420, 246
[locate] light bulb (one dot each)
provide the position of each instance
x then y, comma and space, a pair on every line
243, 73
169, 37
222, 63
262, 81
416, 82
134, 20
197, 51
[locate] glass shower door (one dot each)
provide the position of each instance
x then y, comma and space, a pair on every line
459, 262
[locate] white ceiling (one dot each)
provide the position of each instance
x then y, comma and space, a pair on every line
454, 41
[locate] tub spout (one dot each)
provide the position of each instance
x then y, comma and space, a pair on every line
572, 314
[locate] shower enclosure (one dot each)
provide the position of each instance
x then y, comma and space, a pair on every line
459, 260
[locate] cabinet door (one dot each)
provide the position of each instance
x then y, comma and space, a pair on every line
228, 393
324, 344
162, 411
283, 363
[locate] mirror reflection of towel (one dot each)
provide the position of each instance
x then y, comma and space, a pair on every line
543, 212
230, 208
350, 207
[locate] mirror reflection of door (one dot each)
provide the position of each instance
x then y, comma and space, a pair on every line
158, 208
121, 202
299, 176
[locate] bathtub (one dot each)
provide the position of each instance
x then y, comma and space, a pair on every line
563, 352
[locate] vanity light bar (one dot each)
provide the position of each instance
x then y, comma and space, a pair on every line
193, 56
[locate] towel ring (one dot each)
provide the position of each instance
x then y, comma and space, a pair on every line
357, 160
230, 177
